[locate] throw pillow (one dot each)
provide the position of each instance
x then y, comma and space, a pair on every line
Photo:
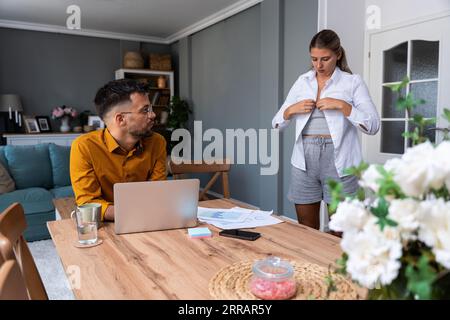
30, 166
60, 158
6, 182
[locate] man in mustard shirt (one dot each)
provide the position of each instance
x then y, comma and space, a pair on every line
126, 151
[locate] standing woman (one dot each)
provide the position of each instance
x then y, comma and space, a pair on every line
329, 105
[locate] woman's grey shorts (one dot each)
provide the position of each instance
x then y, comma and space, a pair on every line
311, 186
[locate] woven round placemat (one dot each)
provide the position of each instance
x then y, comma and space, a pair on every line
232, 282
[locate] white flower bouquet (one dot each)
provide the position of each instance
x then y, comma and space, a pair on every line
396, 231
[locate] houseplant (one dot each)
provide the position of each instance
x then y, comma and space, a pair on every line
396, 230
178, 116
179, 112
65, 114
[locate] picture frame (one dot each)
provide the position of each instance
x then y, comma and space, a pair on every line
96, 122
44, 123
31, 125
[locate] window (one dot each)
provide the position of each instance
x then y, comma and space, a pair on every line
419, 60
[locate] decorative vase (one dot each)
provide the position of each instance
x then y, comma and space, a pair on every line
161, 82
65, 124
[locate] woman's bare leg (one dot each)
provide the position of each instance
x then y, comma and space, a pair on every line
309, 214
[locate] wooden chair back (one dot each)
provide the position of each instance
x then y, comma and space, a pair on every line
14, 247
12, 285
180, 170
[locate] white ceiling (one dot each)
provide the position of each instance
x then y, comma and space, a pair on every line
162, 21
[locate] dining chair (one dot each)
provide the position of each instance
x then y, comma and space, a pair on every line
12, 285
14, 247
179, 171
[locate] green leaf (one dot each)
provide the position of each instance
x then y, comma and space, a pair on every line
398, 87
446, 114
430, 121
361, 194
408, 102
381, 212
420, 278
382, 209
388, 187
342, 264
418, 118
331, 284
357, 170
337, 195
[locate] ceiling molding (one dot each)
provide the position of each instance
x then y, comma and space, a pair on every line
82, 32
212, 19
200, 25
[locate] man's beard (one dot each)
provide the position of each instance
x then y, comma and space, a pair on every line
141, 133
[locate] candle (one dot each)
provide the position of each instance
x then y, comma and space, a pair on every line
16, 116
10, 113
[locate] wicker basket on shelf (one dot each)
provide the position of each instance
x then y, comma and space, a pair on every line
161, 62
133, 60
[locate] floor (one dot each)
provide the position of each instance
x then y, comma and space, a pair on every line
51, 270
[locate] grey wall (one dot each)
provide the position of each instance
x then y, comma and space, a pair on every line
225, 85
350, 26
300, 26
236, 74
49, 69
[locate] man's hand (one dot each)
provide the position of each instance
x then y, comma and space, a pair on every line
304, 106
334, 104
109, 214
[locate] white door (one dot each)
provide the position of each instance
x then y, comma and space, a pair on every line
420, 51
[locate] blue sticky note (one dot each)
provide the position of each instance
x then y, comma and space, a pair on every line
199, 232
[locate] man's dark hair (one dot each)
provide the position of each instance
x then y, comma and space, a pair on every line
116, 92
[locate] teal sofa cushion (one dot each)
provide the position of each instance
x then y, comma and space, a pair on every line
30, 166
33, 200
62, 192
60, 158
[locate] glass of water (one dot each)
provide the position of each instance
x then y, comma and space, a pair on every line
87, 223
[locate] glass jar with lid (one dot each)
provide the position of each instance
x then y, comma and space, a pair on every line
273, 279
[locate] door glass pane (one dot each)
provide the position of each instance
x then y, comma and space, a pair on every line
425, 59
390, 104
428, 92
392, 140
395, 63
431, 134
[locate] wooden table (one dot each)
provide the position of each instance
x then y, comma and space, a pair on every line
169, 265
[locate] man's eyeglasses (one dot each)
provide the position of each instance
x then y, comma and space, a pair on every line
145, 110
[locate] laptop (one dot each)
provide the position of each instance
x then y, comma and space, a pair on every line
155, 205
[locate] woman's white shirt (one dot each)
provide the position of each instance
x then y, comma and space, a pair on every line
364, 116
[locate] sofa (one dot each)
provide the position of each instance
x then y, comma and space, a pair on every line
41, 173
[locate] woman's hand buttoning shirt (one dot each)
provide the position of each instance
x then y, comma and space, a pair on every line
334, 104
304, 106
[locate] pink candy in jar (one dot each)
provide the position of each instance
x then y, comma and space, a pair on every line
273, 279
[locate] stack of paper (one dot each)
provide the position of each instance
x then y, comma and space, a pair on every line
199, 233
236, 218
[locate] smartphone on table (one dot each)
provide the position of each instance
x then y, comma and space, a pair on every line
240, 234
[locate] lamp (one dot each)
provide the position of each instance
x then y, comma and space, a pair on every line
10, 103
